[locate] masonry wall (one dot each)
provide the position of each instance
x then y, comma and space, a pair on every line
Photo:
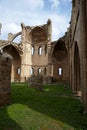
60, 60
64, 65
16, 62
78, 51
35, 41
75, 39
5, 78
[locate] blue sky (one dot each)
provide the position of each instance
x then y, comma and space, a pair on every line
34, 12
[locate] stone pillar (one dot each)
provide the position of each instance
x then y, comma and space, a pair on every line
10, 37
26, 62
26, 57
83, 7
49, 46
5, 78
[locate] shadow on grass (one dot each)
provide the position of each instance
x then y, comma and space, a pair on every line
52, 104
6, 123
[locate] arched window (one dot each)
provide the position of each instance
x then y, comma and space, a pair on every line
32, 71
45, 49
40, 50
1, 50
18, 71
39, 71
45, 71
32, 50
60, 71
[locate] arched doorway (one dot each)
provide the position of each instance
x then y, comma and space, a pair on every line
77, 76
16, 62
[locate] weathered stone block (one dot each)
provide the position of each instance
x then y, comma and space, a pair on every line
36, 82
5, 77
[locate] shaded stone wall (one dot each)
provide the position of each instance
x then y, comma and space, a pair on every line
64, 65
60, 60
5, 78
16, 62
78, 49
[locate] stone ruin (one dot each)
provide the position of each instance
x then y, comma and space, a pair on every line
38, 81
5, 78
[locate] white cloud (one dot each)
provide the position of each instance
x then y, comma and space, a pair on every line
29, 4
32, 13
9, 28
12, 27
54, 3
66, 0
59, 25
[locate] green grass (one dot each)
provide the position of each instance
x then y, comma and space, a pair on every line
53, 109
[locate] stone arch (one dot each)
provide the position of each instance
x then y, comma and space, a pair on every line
38, 35
60, 51
16, 35
60, 61
16, 61
77, 76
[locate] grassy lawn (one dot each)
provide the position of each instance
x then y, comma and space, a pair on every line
53, 109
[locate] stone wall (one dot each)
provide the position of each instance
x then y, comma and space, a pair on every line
78, 49
60, 60
5, 78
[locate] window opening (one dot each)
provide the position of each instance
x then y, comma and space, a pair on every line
18, 71
40, 50
32, 50
1, 50
45, 49
39, 71
31, 71
60, 71
45, 71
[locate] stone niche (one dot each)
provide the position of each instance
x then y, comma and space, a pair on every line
5, 78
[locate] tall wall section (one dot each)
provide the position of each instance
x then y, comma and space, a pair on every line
60, 59
36, 42
5, 78
78, 51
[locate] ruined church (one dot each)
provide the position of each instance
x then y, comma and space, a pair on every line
62, 60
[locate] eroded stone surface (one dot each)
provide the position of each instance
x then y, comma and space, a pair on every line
5, 78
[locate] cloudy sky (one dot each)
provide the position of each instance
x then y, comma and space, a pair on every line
34, 12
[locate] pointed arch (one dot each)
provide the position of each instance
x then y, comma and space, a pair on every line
38, 35
77, 76
60, 50
16, 35
16, 62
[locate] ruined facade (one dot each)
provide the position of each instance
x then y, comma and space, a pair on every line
31, 55
62, 60
37, 54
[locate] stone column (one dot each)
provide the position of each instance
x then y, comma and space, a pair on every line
49, 46
5, 78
